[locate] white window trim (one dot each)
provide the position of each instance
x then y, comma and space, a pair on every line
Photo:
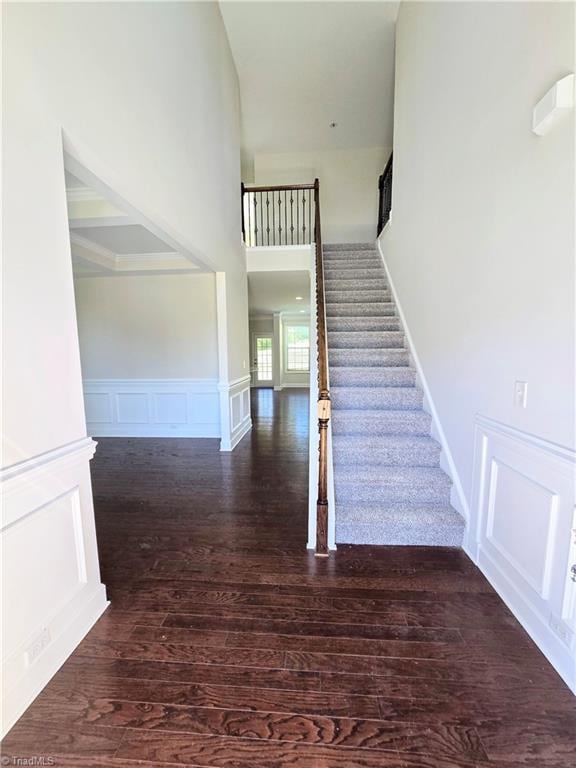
293, 324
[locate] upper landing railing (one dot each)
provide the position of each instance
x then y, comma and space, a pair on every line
282, 215
385, 196
290, 215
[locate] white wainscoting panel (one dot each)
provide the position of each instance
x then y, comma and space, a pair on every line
51, 590
152, 407
235, 411
522, 534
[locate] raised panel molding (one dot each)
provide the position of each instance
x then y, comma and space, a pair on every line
235, 410
52, 593
152, 407
521, 536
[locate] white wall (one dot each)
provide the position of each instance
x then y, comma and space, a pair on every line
171, 150
480, 247
145, 96
348, 186
148, 327
148, 346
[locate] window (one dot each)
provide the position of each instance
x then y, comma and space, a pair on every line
297, 347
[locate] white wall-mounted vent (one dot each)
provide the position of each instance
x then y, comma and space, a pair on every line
558, 100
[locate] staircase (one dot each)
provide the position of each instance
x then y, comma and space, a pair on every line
389, 486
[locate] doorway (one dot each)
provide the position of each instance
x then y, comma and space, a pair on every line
263, 360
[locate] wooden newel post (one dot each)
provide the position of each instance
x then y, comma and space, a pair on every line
322, 501
323, 391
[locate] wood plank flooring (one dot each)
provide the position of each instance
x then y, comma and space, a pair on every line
227, 645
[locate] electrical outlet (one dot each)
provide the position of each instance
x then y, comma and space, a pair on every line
40, 642
561, 630
521, 394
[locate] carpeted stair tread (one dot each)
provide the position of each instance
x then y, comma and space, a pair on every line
408, 525
348, 246
355, 284
381, 308
349, 296
360, 272
377, 376
349, 262
427, 485
394, 450
365, 339
372, 398
380, 422
368, 357
338, 324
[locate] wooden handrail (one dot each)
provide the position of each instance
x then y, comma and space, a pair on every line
323, 388
277, 187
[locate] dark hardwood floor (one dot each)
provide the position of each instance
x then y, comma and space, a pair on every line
227, 645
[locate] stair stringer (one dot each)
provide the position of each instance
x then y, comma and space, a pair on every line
457, 496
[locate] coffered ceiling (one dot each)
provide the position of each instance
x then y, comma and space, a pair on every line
106, 241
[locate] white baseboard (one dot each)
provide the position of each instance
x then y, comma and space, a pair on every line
458, 497
522, 534
235, 410
71, 629
53, 593
152, 407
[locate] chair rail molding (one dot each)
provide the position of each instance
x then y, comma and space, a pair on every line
152, 407
50, 562
235, 411
522, 533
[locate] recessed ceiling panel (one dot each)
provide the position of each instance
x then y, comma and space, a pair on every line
126, 239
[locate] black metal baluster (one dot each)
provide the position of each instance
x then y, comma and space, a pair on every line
291, 218
255, 220
297, 219
285, 219
303, 218
261, 221
310, 218
273, 220
279, 218
246, 204
267, 219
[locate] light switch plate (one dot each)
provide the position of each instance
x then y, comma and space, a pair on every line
521, 394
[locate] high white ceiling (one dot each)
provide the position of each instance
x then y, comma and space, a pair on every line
270, 292
304, 65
